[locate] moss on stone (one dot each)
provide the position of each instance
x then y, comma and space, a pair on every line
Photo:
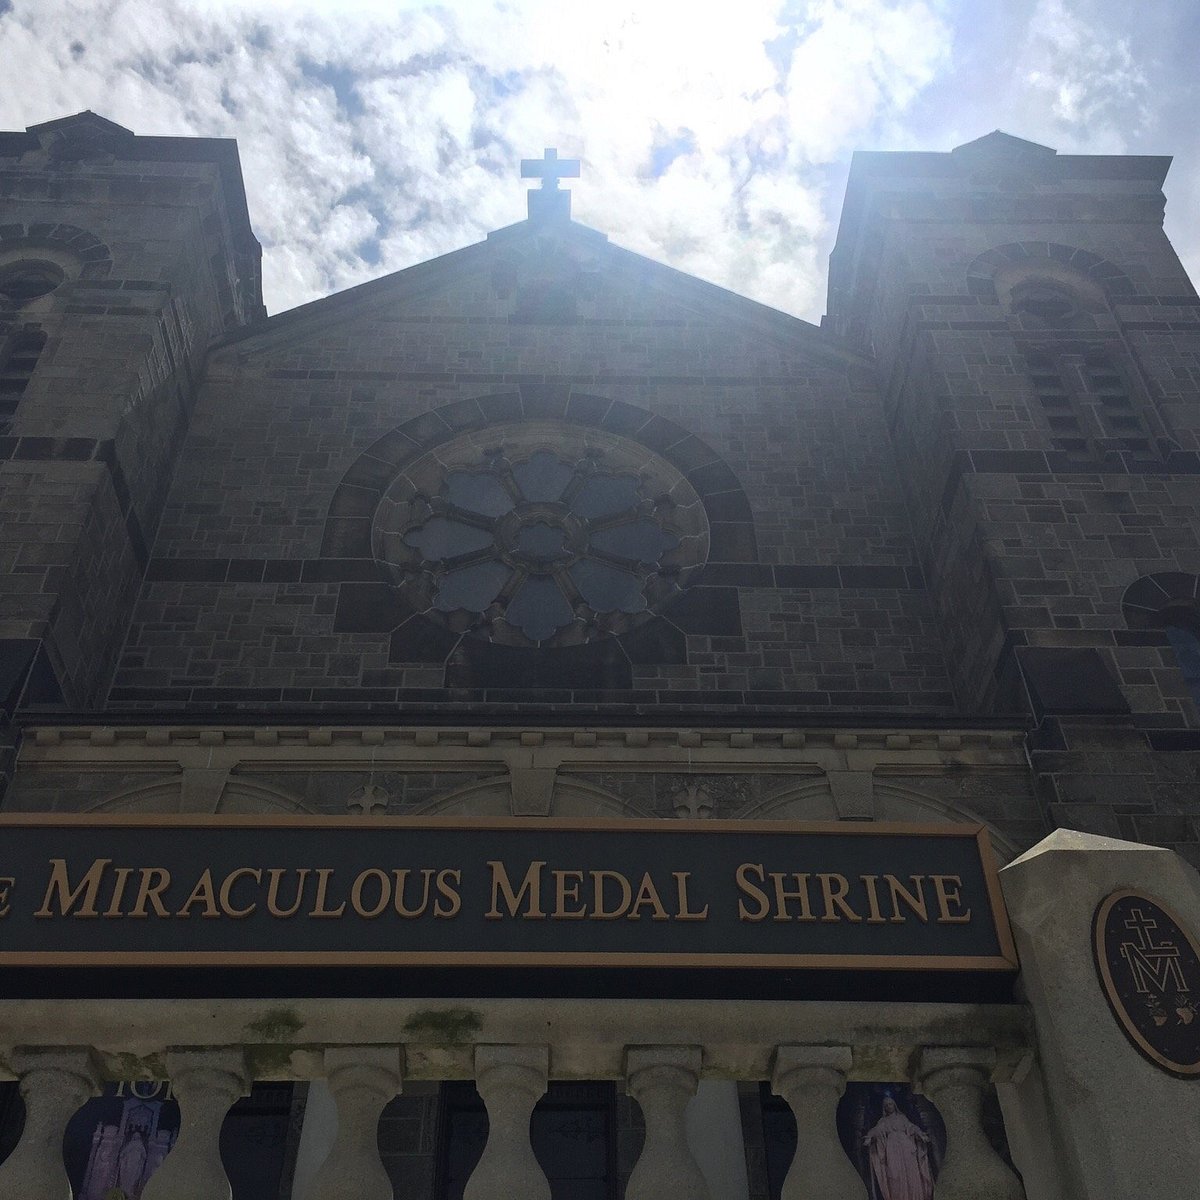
277, 1025
444, 1026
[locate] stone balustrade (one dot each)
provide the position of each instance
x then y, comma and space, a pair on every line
60, 1052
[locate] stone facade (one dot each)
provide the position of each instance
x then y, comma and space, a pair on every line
901, 527
948, 540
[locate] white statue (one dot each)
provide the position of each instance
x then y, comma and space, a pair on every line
899, 1156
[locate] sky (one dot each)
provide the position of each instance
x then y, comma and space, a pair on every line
715, 135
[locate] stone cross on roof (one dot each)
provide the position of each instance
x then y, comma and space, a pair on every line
549, 201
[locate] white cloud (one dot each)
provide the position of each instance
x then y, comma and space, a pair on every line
377, 133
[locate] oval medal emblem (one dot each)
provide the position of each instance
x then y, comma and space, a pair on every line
1149, 967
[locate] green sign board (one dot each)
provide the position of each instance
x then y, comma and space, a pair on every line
315, 892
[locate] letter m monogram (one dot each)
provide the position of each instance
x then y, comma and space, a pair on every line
1154, 969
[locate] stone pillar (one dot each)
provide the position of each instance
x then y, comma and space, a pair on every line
511, 1080
662, 1079
54, 1083
206, 1083
1121, 1127
812, 1079
363, 1080
954, 1077
714, 1133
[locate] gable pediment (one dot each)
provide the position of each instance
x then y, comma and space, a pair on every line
557, 276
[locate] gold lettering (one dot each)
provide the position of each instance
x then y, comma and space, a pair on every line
683, 912
7, 883
202, 893
532, 883
876, 917
356, 893
89, 885
647, 893
449, 893
834, 888
563, 893
152, 882
319, 909
782, 896
402, 875
914, 899
947, 896
227, 891
599, 912
755, 893
274, 875
118, 893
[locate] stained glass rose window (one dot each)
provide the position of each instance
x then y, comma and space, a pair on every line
540, 534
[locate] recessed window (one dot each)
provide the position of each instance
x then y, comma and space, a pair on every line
17, 365
29, 280
1043, 305
1186, 645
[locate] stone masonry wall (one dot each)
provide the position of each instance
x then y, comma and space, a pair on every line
1030, 553
815, 601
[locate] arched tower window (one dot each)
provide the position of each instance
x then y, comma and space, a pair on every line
29, 279
1088, 402
1059, 303
1169, 603
20, 357
1046, 305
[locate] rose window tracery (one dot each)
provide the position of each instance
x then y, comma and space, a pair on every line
540, 534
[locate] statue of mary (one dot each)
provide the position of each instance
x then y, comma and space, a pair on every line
131, 1164
899, 1156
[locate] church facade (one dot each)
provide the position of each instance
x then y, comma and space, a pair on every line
544, 532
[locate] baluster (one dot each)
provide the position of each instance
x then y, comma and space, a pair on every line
206, 1083
812, 1079
54, 1083
363, 1080
954, 1079
511, 1080
662, 1079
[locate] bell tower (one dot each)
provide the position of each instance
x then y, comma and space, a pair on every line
122, 258
1038, 342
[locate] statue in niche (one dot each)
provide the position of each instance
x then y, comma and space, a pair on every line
132, 1129
895, 1139
899, 1152
131, 1162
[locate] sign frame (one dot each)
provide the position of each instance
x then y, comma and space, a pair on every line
1005, 962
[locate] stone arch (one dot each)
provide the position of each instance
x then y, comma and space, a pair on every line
813, 801
347, 532
1052, 257
493, 798
241, 796
156, 796
63, 242
164, 795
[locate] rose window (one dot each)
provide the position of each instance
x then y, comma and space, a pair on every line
540, 535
